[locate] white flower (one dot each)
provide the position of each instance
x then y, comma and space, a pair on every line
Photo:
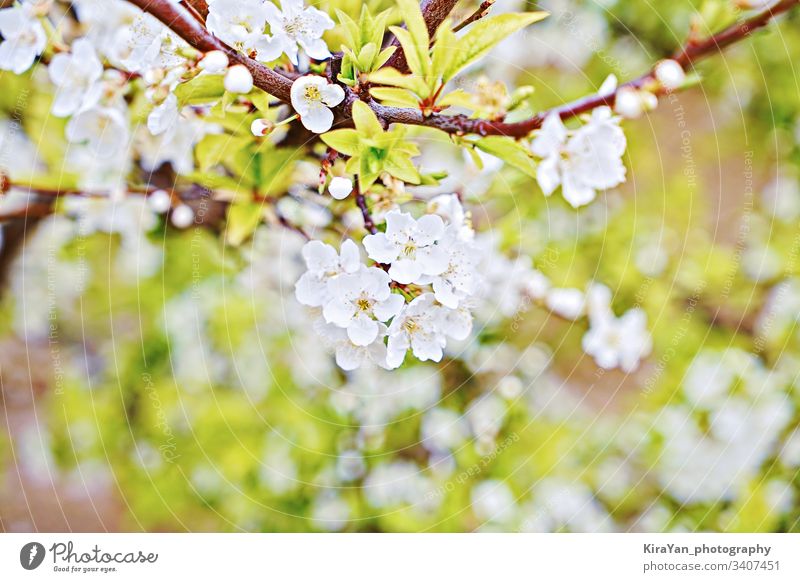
670, 74
568, 303
238, 79
588, 160
618, 342
416, 327
324, 263
358, 299
164, 116
312, 98
351, 356
340, 188
23, 39
240, 23
77, 77
146, 44
449, 207
176, 143
409, 246
104, 128
459, 280
295, 25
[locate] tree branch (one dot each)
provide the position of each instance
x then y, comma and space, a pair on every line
686, 57
435, 11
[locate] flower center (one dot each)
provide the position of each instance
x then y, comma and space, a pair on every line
313, 94
294, 26
410, 325
363, 304
410, 249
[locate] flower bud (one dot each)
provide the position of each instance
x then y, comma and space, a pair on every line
670, 74
340, 188
261, 127
182, 216
159, 201
238, 80
214, 62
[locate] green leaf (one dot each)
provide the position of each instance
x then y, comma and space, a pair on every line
342, 140
365, 119
394, 96
417, 56
486, 33
395, 78
243, 219
512, 152
200, 90
415, 23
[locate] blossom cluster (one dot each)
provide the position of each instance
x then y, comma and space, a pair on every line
415, 296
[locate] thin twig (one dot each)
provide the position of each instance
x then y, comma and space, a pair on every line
482, 11
361, 202
435, 11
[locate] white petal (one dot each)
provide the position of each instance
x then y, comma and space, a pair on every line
318, 119
379, 248
405, 271
338, 312
362, 331
387, 309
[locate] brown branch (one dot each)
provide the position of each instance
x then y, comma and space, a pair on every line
481, 11
686, 56
434, 12
199, 6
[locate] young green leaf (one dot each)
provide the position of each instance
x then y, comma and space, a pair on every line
486, 33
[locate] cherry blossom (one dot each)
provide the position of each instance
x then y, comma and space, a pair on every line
23, 36
460, 279
240, 23
583, 161
417, 328
104, 128
294, 25
324, 263
358, 301
618, 342
349, 355
77, 76
410, 247
312, 98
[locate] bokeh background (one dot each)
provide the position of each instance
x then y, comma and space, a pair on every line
164, 380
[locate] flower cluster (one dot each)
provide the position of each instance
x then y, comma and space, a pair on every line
243, 24
583, 161
415, 296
